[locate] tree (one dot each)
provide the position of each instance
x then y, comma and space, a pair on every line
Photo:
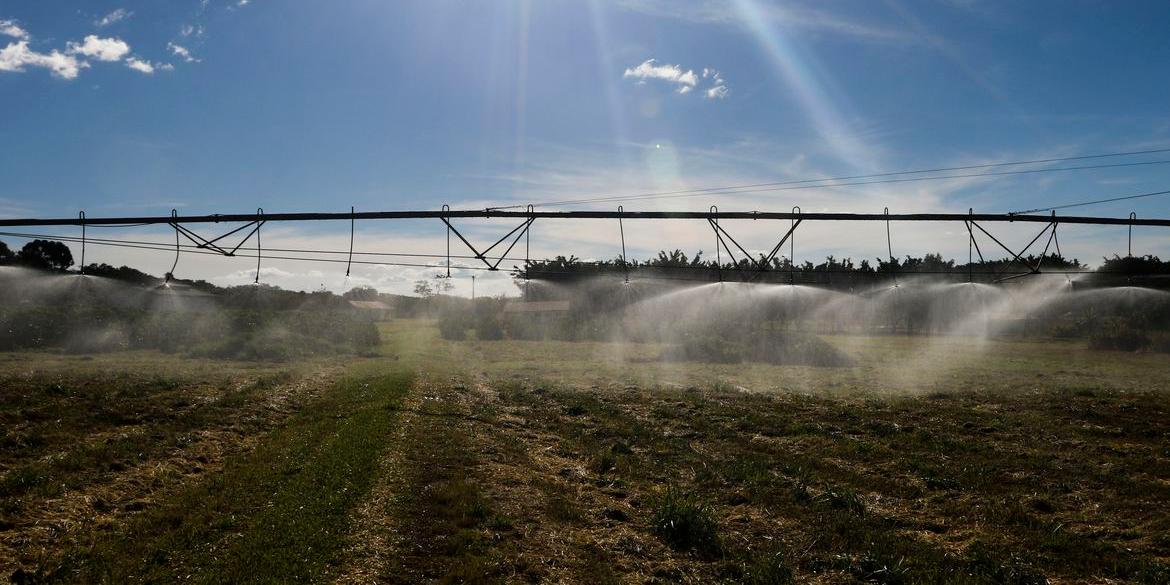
361, 293
46, 254
423, 289
5, 254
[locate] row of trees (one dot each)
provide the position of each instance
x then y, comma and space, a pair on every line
42, 254
842, 273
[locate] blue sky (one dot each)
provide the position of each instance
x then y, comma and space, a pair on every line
294, 105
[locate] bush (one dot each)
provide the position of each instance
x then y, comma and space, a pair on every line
453, 325
487, 326
1118, 335
235, 334
686, 523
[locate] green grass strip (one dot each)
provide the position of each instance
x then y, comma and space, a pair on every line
277, 514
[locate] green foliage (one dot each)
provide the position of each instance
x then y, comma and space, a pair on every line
46, 255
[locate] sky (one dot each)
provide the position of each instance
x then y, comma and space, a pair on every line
225, 106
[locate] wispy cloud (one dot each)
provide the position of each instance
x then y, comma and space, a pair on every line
791, 16
191, 30
649, 69
113, 17
718, 90
146, 67
684, 81
182, 52
11, 29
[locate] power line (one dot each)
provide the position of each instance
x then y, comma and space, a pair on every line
1096, 202
853, 177
822, 183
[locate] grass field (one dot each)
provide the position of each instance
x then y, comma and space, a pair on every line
930, 461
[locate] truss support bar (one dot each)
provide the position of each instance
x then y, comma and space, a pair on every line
768, 259
482, 256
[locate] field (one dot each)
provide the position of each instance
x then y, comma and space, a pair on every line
929, 461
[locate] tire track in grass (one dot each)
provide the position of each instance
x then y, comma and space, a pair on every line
377, 536
276, 514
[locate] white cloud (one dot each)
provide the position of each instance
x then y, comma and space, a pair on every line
182, 52
11, 29
139, 65
115, 16
16, 56
107, 49
686, 81
648, 69
191, 30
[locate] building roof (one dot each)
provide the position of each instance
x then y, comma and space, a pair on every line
536, 307
371, 305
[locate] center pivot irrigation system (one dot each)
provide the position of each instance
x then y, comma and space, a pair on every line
725, 242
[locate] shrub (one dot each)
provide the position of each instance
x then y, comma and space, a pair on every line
1118, 335
453, 325
685, 522
487, 326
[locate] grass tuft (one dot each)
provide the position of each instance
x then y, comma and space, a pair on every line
686, 522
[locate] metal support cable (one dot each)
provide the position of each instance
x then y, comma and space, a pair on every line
447, 209
349, 261
1129, 249
171, 273
81, 218
259, 251
890, 246
718, 256
622, 231
792, 246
